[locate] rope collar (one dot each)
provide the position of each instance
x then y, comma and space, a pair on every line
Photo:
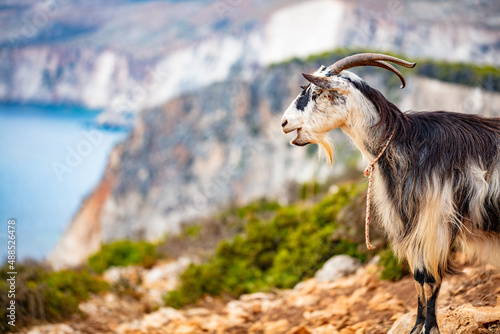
369, 173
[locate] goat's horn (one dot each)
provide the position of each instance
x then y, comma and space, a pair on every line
387, 66
371, 59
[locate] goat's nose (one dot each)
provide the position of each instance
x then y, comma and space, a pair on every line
284, 123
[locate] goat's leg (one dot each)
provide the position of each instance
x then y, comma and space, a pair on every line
419, 277
428, 290
431, 290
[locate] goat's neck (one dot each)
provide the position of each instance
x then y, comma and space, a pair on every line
359, 126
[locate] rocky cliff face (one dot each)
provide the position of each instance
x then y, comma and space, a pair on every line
125, 56
218, 145
198, 153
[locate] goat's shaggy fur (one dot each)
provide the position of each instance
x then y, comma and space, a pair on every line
438, 183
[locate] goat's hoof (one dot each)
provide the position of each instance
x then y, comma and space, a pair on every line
433, 330
418, 329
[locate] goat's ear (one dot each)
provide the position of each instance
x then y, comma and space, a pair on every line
328, 83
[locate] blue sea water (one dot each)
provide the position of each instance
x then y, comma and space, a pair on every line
50, 160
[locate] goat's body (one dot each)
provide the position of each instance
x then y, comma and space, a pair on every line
443, 187
438, 182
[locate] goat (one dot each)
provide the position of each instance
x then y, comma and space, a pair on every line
436, 175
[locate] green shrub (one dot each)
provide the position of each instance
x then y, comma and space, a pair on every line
42, 295
193, 230
275, 253
487, 77
123, 253
257, 207
391, 268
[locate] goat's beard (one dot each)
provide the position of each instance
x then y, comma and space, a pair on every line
327, 145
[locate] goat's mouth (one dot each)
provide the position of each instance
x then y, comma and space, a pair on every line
291, 130
298, 140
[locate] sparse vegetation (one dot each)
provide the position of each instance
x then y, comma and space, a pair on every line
42, 295
123, 253
391, 268
278, 247
193, 230
274, 253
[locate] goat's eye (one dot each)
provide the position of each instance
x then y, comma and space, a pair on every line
318, 92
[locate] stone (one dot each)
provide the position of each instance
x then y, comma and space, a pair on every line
300, 330
404, 324
197, 311
467, 318
464, 319
131, 273
52, 329
212, 323
257, 296
186, 329
336, 268
276, 327
306, 286
305, 300
385, 301
166, 275
331, 313
236, 312
153, 320
326, 329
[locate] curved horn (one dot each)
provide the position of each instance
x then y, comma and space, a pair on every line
371, 59
387, 66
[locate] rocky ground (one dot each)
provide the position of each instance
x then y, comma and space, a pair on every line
357, 303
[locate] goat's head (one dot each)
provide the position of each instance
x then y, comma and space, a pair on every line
326, 102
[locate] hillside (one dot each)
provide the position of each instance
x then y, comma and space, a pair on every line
358, 303
259, 248
234, 289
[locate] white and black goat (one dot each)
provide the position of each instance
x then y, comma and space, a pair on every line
436, 176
